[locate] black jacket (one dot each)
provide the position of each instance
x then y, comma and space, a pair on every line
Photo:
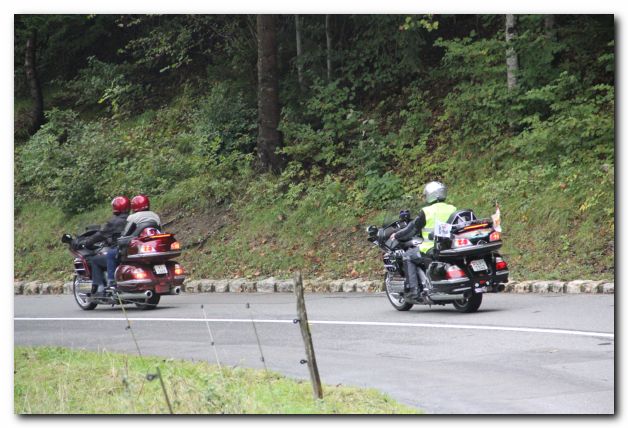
109, 232
413, 228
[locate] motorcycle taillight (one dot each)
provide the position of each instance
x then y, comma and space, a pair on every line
138, 273
178, 269
500, 264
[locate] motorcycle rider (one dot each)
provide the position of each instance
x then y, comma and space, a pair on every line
434, 194
108, 233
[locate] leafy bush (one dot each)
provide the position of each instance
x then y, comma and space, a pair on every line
321, 133
108, 84
381, 190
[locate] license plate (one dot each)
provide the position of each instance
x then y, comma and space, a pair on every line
161, 269
478, 265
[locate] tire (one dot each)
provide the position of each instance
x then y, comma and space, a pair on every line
81, 301
149, 303
397, 301
467, 306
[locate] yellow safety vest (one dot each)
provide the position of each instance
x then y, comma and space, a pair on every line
439, 211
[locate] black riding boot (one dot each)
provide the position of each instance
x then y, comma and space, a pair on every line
411, 278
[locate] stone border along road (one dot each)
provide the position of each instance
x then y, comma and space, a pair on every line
272, 285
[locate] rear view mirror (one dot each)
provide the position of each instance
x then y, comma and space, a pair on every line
66, 239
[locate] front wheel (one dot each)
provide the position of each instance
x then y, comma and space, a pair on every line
468, 305
81, 298
397, 300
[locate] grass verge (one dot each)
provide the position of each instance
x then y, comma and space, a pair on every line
54, 380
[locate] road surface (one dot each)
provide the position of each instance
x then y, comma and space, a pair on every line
521, 353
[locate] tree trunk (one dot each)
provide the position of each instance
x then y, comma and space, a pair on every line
297, 24
512, 62
548, 24
328, 36
30, 66
268, 137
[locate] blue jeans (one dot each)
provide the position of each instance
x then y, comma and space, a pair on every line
112, 263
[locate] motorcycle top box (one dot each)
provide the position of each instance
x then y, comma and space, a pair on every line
152, 245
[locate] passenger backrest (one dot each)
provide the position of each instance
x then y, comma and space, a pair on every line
461, 216
136, 229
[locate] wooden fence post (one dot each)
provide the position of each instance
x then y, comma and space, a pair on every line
307, 337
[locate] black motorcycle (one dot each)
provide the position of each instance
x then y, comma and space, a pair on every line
462, 267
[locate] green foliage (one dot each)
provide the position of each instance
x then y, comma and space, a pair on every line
108, 84
412, 99
478, 108
330, 122
382, 189
77, 165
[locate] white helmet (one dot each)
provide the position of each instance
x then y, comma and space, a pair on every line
434, 191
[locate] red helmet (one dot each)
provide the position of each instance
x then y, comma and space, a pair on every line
120, 204
140, 203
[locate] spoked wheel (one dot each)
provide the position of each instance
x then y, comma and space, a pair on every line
468, 305
81, 298
149, 303
397, 300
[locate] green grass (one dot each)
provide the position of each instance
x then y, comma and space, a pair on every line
52, 380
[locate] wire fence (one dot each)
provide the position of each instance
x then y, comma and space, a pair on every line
213, 345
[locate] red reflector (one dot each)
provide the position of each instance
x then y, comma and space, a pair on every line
495, 236
161, 235
454, 272
476, 226
501, 265
461, 242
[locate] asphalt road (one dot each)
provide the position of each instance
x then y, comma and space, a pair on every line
521, 353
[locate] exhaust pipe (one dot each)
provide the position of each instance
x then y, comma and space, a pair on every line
175, 291
440, 297
134, 296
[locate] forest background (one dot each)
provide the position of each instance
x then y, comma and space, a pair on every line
356, 113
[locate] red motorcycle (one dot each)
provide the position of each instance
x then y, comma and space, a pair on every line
145, 273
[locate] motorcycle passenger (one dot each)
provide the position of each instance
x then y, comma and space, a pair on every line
108, 233
434, 193
140, 205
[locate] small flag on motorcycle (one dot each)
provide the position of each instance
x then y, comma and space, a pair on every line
497, 223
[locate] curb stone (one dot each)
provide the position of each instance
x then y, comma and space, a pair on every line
270, 285
18, 287
318, 285
221, 286
191, 286
608, 288
335, 286
206, 286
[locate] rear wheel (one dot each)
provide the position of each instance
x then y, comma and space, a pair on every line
468, 305
397, 300
81, 298
149, 303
